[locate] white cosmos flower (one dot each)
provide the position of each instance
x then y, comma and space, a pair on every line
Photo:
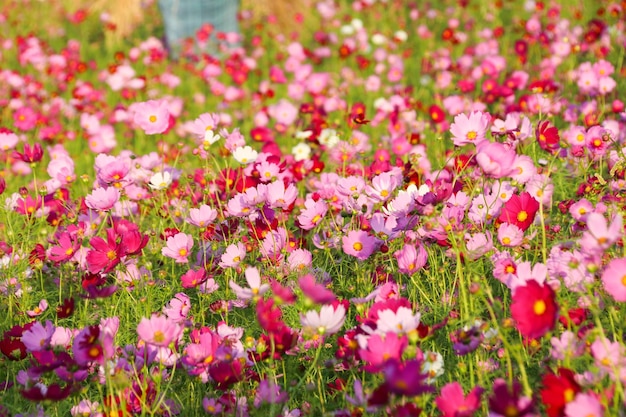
378, 39
160, 180
245, 155
328, 321
303, 134
401, 35
301, 151
328, 137
210, 137
433, 365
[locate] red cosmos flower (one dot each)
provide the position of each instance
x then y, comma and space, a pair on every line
534, 309
11, 344
519, 210
66, 309
261, 134
548, 136
558, 390
54, 392
30, 155
437, 114
105, 255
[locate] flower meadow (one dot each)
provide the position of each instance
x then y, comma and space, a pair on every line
405, 208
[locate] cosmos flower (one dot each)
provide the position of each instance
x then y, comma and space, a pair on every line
534, 309
325, 322
152, 116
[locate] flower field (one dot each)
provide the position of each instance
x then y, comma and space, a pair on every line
405, 208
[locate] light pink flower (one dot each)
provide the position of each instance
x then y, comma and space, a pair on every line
102, 198
469, 129
614, 279
152, 116
256, 289
510, 235
202, 216
359, 244
43, 306
178, 247
495, 159
234, 254
158, 330
584, 405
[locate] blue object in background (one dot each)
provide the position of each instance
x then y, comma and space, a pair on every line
182, 18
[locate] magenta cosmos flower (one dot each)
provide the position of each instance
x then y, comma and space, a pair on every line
469, 129
152, 116
614, 279
158, 330
178, 247
452, 402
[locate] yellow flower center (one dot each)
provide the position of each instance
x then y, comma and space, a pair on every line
182, 252
111, 254
506, 240
152, 119
539, 307
471, 135
522, 216
159, 336
357, 246
568, 395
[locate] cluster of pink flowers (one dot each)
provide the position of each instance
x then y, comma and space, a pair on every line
274, 218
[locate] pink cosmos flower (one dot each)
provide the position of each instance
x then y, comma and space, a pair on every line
256, 289
495, 159
510, 235
202, 216
105, 255
152, 116
359, 244
158, 330
411, 258
279, 196
69, 243
102, 198
316, 292
284, 112
234, 254
452, 402
38, 336
178, 247
299, 259
313, 213
600, 235
469, 129
378, 348
584, 405
8, 139
37, 311
328, 321
25, 118
193, 278
178, 308
614, 279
